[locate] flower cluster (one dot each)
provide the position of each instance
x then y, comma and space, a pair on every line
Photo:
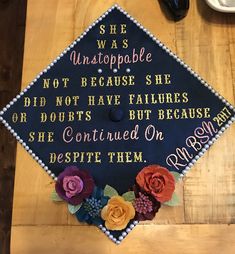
154, 185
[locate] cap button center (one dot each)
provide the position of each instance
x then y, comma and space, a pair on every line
116, 114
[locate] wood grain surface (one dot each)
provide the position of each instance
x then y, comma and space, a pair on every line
12, 26
205, 40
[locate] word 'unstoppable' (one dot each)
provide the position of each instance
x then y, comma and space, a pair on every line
136, 56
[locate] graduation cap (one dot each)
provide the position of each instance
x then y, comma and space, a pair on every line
113, 102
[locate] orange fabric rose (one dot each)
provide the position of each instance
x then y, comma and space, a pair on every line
117, 213
157, 181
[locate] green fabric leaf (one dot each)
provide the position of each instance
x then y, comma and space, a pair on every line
176, 175
74, 208
55, 197
129, 196
110, 191
174, 201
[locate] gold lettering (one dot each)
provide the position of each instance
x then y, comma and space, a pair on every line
65, 81
123, 29
46, 83
22, 117
125, 43
101, 44
114, 44
31, 136
113, 29
102, 29
167, 79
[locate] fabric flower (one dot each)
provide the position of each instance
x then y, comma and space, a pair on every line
156, 181
117, 213
74, 185
145, 205
91, 207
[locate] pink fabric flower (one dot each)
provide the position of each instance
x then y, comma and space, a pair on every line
72, 185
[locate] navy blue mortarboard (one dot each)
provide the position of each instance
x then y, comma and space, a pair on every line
115, 101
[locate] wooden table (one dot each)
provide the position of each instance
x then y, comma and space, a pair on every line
203, 223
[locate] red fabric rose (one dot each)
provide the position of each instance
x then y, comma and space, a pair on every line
156, 181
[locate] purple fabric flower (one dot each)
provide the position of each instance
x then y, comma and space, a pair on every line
74, 185
145, 205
